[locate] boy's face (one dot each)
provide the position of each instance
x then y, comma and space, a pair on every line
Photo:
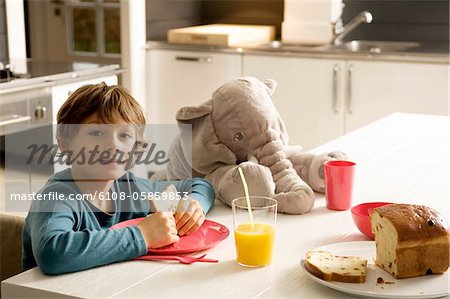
106, 148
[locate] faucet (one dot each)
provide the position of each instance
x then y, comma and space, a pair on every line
340, 31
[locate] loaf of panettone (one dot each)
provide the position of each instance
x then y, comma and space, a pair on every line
411, 240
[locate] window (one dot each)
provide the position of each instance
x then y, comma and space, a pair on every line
94, 27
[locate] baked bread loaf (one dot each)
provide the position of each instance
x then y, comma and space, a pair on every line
411, 240
327, 266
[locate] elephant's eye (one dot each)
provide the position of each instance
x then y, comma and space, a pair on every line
238, 136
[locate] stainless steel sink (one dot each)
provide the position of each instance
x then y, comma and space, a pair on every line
357, 46
377, 46
278, 46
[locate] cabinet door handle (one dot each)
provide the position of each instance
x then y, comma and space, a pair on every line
349, 89
194, 59
40, 112
336, 71
12, 119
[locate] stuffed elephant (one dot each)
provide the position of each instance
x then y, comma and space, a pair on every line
240, 127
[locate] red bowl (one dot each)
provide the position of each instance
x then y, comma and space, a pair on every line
360, 215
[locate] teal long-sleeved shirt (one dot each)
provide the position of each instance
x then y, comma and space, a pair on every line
68, 235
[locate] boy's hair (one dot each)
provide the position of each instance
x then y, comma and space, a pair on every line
108, 102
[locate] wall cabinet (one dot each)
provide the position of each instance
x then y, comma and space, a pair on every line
185, 78
320, 99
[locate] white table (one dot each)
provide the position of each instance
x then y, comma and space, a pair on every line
400, 158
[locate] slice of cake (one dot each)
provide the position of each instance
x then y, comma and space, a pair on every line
328, 266
411, 240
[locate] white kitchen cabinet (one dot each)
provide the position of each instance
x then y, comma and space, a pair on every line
177, 78
309, 95
377, 88
320, 99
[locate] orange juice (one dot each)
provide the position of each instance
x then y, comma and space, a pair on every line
254, 244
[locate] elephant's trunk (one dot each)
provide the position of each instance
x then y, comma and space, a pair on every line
294, 196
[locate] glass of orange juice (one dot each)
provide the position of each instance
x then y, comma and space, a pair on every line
254, 234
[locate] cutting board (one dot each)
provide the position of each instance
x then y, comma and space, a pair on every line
225, 35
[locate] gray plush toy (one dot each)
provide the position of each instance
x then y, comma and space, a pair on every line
240, 126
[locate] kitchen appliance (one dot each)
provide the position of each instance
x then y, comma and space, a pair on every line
310, 22
25, 119
7, 73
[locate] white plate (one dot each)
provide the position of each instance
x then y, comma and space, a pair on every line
430, 286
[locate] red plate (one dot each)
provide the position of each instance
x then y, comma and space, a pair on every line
207, 236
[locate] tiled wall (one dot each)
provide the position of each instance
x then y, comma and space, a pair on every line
418, 20
404, 20
3, 48
163, 15
255, 12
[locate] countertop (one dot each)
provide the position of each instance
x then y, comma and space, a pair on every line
55, 72
400, 158
425, 52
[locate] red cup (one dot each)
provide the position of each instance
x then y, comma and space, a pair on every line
338, 184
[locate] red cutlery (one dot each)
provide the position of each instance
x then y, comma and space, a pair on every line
181, 259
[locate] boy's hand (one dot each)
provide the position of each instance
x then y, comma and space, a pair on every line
159, 230
190, 219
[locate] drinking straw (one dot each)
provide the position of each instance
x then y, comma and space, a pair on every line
247, 196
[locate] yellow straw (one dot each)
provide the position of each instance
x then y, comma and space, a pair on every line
247, 197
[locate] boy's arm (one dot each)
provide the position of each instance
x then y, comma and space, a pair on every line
202, 191
199, 189
57, 248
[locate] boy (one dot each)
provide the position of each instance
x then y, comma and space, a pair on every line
71, 235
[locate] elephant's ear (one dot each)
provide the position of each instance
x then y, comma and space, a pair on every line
190, 113
283, 132
271, 85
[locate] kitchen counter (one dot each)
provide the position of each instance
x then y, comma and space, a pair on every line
425, 52
48, 73
400, 158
